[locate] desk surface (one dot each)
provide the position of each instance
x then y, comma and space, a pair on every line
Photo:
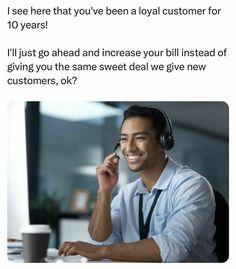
52, 257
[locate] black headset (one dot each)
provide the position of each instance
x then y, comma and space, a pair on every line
166, 137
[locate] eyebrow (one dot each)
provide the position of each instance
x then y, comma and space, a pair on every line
138, 133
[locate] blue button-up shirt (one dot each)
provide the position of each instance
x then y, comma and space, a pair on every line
182, 222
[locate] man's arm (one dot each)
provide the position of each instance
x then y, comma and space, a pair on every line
100, 226
141, 251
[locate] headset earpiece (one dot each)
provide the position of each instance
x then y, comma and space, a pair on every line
166, 141
166, 138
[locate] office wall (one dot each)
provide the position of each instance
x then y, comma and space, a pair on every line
65, 147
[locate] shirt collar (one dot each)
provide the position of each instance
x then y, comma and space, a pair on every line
163, 181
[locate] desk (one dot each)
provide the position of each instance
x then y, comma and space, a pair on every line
52, 257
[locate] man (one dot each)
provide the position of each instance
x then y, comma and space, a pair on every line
167, 215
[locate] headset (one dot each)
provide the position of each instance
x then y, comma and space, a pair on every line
166, 138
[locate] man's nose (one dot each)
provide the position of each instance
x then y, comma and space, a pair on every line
130, 145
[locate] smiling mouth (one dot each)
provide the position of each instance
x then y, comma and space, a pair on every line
133, 157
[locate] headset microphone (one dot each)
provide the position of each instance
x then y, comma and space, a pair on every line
117, 146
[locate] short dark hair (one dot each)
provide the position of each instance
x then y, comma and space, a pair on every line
155, 115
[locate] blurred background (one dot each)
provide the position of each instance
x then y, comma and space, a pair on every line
66, 141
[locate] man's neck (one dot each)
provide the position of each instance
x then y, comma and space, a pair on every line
151, 176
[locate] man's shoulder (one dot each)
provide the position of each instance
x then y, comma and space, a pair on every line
187, 177
184, 171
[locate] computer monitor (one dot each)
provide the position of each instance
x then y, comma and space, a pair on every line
17, 182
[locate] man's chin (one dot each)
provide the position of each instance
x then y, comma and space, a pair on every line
134, 169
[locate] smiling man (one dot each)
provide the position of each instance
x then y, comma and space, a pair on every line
166, 215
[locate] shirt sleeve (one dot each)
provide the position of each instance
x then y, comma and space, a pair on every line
193, 208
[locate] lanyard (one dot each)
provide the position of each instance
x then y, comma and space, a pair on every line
144, 228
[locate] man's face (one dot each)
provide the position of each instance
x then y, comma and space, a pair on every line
139, 144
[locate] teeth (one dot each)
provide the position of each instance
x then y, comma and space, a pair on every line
133, 157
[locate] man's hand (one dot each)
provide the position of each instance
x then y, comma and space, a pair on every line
107, 172
145, 250
84, 249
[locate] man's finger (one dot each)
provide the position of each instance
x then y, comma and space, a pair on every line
111, 164
108, 166
65, 247
73, 251
61, 248
116, 159
107, 169
109, 157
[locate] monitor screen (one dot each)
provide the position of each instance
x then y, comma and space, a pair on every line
17, 182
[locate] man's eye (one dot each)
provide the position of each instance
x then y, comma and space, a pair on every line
140, 137
123, 139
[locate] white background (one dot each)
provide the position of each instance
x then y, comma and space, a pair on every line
217, 83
